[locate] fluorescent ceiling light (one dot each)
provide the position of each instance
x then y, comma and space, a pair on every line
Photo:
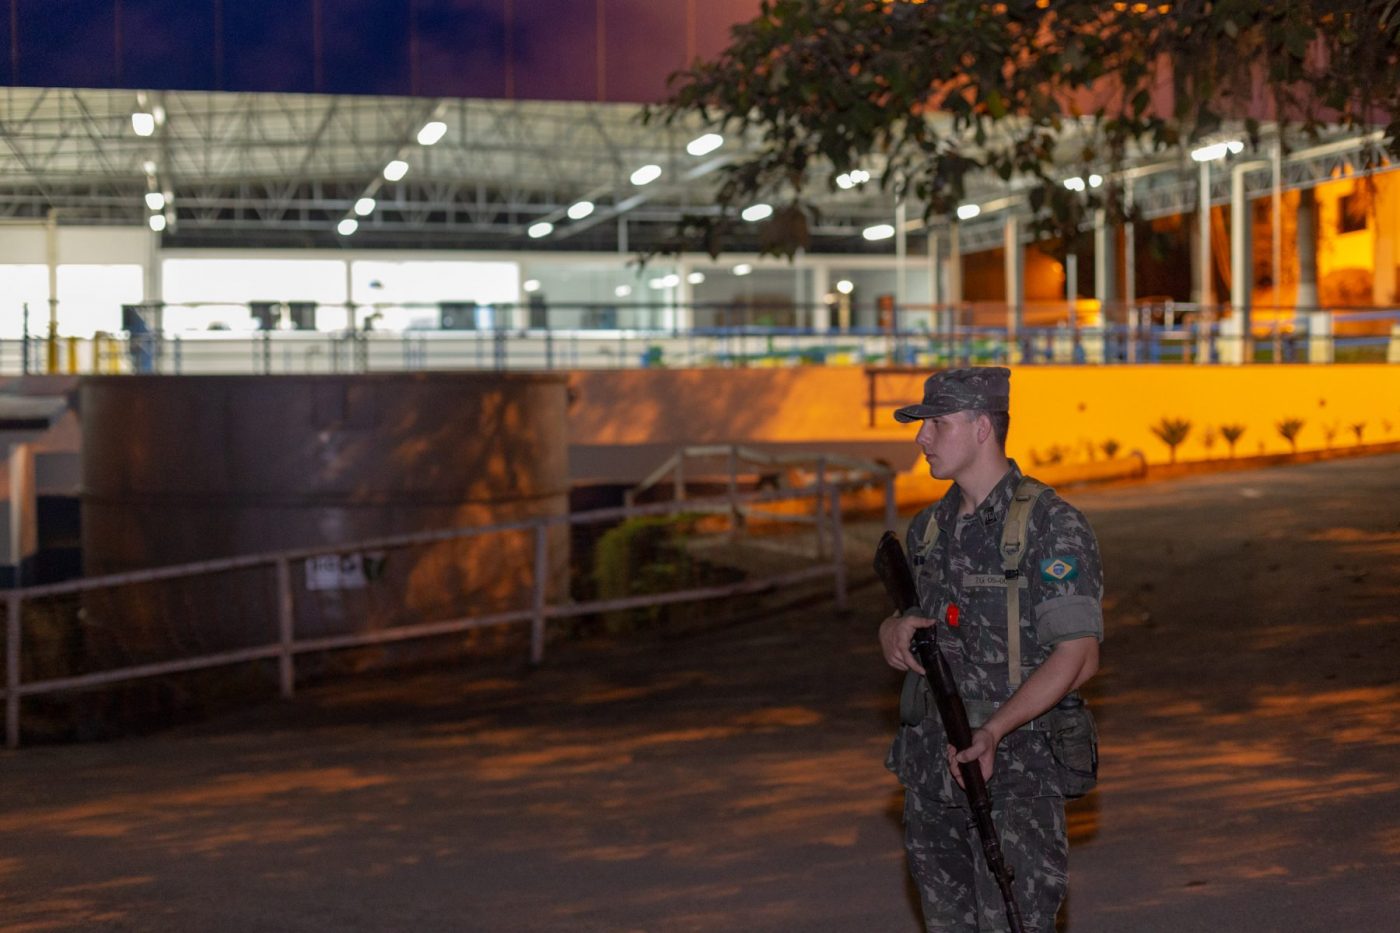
622, 291
157, 222
580, 210
149, 167
656, 283
671, 281
845, 286
1095, 181
646, 175
845, 182
704, 145
743, 268
542, 229
968, 211
878, 232
395, 170
1074, 184
365, 206
143, 123
695, 278
1217, 150
347, 226
431, 132
531, 285
757, 212
155, 200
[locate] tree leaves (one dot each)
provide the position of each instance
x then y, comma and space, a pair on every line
938, 97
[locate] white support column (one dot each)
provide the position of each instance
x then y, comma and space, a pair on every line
682, 314
349, 297
954, 278
520, 314
152, 278
1204, 293
821, 288
1241, 264
1276, 251
1105, 264
1015, 267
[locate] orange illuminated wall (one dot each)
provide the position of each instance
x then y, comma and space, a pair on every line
1062, 413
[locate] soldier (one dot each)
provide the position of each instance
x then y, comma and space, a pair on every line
1032, 734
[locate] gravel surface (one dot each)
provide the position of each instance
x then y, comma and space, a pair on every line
730, 777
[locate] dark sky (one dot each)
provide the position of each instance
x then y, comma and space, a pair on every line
546, 49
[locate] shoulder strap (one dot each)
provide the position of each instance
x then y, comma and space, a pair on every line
1013, 544
930, 538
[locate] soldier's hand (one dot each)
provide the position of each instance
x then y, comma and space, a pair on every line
896, 632
982, 750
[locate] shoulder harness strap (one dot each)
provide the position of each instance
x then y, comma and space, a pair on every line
1013, 544
931, 531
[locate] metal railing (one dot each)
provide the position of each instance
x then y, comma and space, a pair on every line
277, 595
584, 337
825, 468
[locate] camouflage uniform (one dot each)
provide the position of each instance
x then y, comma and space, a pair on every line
960, 565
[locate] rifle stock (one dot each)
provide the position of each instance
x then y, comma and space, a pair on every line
892, 568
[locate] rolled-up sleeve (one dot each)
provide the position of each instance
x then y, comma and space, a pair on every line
1064, 617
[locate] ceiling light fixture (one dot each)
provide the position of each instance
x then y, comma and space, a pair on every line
704, 145
431, 133
646, 175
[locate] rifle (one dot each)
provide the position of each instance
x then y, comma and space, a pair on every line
893, 570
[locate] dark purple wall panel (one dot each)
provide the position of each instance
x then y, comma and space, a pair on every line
540, 49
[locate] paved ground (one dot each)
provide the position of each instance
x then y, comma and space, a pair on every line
731, 778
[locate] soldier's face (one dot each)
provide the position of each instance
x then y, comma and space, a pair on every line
948, 443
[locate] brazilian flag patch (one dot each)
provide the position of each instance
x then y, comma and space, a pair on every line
1059, 569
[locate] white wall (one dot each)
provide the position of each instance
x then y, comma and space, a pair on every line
101, 268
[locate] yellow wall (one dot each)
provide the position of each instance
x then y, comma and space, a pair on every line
1077, 408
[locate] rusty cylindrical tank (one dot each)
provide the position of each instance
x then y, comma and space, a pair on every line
179, 469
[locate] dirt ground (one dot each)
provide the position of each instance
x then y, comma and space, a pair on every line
731, 778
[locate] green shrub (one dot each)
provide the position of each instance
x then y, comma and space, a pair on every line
641, 556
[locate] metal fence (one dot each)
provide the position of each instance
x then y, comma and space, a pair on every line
70, 639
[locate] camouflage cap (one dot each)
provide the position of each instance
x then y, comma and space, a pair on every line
982, 388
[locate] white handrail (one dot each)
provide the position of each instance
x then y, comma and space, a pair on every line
288, 646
